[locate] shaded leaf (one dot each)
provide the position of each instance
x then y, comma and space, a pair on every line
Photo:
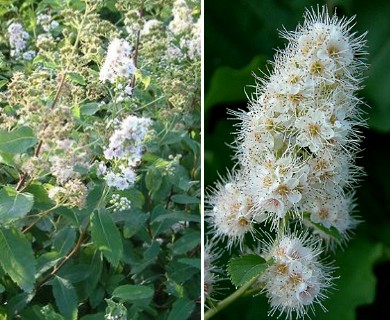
178, 216
186, 243
66, 298
227, 84
193, 262
357, 282
184, 199
181, 309
17, 258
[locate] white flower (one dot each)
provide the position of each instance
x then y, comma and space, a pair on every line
118, 63
182, 18
314, 130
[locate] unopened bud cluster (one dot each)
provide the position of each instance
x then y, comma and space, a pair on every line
120, 203
296, 148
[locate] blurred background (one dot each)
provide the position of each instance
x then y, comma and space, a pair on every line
240, 36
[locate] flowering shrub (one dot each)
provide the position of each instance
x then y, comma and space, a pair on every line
100, 159
294, 181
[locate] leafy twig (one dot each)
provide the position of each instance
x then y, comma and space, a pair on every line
68, 256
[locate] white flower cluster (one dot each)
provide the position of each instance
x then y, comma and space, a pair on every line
296, 279
231, 216
120, 203
17, 39
182, 18
298, 140
47, 22
118, 63
296, 148
125, 147
189, 32
73, 193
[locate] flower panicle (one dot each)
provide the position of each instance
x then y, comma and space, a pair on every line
295, 148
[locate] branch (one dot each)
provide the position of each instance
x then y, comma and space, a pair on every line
135, 58
227, 301
68, 256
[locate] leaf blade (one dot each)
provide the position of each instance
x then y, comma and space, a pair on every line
17, 141
14, 205
245, 268
106, 237
132, 293
65, 297
17, 258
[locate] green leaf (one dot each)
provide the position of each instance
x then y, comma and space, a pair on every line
245, 268
172, 137
181, 309
134, 223
41, 197
153, 179
90, 108
184, 199
178, 216
357, 283
149, 257
227, 84
45, 313
186, 243
7, 159
17, 258
3, 83
106, 237
180, 272
18, 302
66, 298
132, 293
332, 231
97, 316
14, 205
64, 240
376, 84
17, 141
193, 262
77, 78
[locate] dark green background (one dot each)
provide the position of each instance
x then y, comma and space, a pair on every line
240, 36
